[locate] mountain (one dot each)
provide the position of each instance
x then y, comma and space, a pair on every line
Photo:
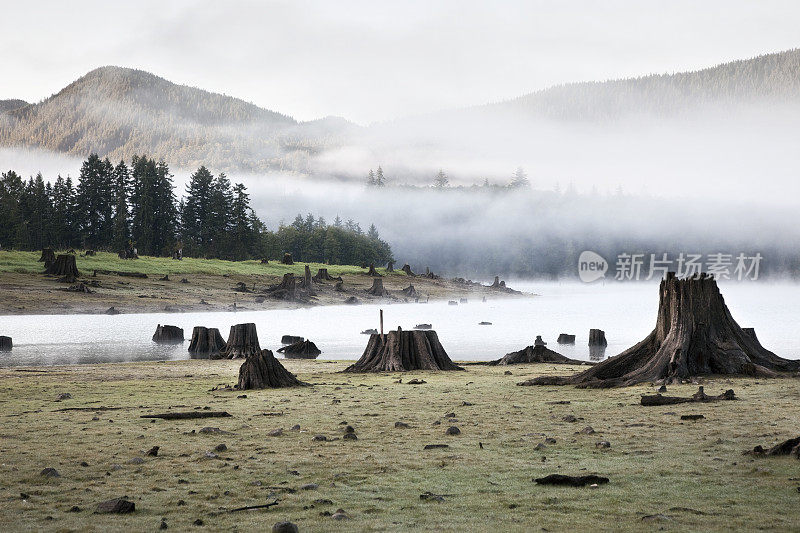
766, 79
120, 112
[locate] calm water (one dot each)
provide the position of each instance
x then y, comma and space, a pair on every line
627, 313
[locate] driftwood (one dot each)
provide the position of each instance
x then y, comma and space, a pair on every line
597, 337
252, 507
48, 256
242, 342
168, 334
322, 275
390, 266
287, 259
407, 270
787, 447
300, 350
206, 341
566, 338
695, 335
377, 288
410, 292
699, 396
291, 339
403, 351
372, 272
188, 415
535, 354
64, 265
263, 371
571, 481
6, 344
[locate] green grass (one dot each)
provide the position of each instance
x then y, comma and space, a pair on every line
26, 262
692, 473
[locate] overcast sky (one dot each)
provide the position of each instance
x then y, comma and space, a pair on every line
372, 61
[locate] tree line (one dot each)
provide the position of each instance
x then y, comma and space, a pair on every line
116, 207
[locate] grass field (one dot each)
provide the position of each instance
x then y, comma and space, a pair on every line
26, 262
664, 473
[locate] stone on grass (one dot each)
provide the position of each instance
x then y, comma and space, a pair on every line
117, 505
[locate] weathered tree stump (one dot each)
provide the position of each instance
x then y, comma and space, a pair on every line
372, 272
5, 344
291, 339
307, 281
322, 275
287, 259
206, 341
539, 341
242, 342
410, 292
390, 266
597, 337
497, 283
566, 338
403, 351
300, 350
407, 270
377, 288
695, 335
168, 334
286, 289
48, 256
263, 371
535, 354
64, 265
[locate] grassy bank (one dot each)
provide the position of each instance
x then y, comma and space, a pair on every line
27, 263
665, 472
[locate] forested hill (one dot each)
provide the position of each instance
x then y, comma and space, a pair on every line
119, 112
766, 79
9, 105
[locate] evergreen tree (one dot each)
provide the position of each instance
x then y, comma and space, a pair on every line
122, 233
197, 213
519, 179
370, 178
95, 210
380, 181
441, 181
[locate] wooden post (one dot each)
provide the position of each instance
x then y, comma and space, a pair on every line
383, 337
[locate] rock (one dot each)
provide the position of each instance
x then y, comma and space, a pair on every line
340, 514
662, 389
507, 373
221, 448
569, 418
74, 509
295, 427
285, 527
450, 415
136, 461
117, 505
163, 524
588, 430
603, 444
211, 455
309, 486
401, 425
49, 472
276, 432
350, 436
320, 438
152, 452
64, 396
692, 417
349, 429
198, 522
452, 430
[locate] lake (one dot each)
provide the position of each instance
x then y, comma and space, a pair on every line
626, 311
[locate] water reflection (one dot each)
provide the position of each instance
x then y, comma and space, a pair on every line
597, 353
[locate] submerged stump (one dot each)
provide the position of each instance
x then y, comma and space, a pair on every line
301, 350
401, 351
695, 335
597, 337
263, 371
206, 341
566, 338
5, 344
168, 334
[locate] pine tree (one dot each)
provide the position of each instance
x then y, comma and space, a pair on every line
95, 188
370, 178
380, 181
197, 213
441, 181
122, 234
519, 179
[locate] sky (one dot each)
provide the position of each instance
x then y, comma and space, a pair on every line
375, 61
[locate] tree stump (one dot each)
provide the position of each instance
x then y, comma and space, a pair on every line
407, 270
64, 265
300, 350
390, 266
5, 344
168, 334
597, 337
535, 354
287, 259
339, 287
539, 341
410, 292
566, 338
48, 256
372, 272
403, 351
377, 288
291, 339
307, 281
695, 335
263, 371
322, 275
285, 289
264, 261
206, 341
242, 342
496, 283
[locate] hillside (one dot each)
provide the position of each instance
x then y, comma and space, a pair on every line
119, 112
9, 105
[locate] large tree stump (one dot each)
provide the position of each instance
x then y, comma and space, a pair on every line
263, 371
372, 272
390, 266
287, 259
64, 265
285, 289
48, 256
377, 288
5, 344
536, 354
407, 270
402, 351
322, 275
695, 335
307, 281
242, 342
597, 337
206, 341
168, 334
300, 350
